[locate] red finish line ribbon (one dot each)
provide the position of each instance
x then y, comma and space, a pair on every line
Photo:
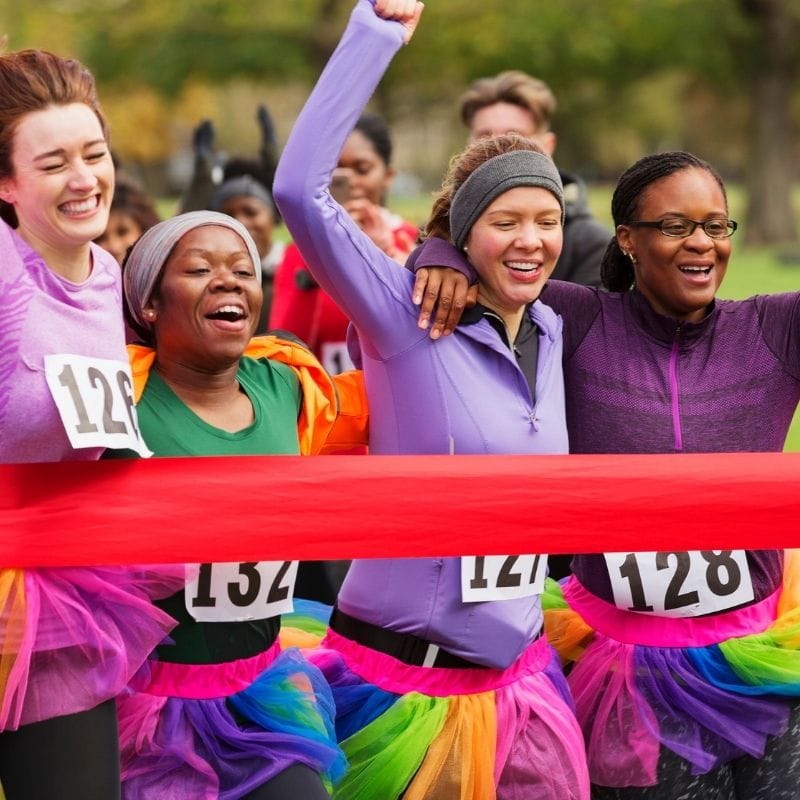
283, 507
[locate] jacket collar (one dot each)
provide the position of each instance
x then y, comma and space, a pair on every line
664, 328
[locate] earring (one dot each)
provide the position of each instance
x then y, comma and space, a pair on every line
631, 256
150, 314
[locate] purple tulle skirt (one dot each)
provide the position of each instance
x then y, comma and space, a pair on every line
203, 732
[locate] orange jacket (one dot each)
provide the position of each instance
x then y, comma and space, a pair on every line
334, 414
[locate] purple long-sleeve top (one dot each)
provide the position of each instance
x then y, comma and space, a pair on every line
464, 394
640, 382
43, 314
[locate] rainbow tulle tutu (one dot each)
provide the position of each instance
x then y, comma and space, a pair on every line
453, 734
710, 689
203, 732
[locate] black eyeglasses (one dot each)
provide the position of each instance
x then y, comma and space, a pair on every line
680, 227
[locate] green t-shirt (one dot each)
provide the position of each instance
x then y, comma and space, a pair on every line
172, 429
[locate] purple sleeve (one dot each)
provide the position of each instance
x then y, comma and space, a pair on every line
779, 318
370, 288
435, 252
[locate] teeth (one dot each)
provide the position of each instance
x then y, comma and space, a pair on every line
79, 206
522, 266
228, 312
704, 270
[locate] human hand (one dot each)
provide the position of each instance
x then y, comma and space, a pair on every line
266, 126
407, 12
445, 290
372, 220
203, 140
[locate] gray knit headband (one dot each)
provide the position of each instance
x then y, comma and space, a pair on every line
498, 175
241, 186
148, 256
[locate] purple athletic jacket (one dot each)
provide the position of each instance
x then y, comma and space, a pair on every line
639, 382
464, 394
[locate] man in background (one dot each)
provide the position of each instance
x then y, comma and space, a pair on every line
514, 102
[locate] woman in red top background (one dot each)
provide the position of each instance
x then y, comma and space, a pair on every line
299, 305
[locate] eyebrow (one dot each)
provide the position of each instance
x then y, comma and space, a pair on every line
60, 151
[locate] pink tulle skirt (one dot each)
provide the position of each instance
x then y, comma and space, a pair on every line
71, 638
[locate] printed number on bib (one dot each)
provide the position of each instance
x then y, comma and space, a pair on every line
681, 584
94, 397
501, 577
335, 357
239, 592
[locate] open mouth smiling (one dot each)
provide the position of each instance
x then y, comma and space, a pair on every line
229, 313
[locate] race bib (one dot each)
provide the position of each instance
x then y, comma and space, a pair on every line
501, 577
240, 592
681, 584
335, 358
94, 398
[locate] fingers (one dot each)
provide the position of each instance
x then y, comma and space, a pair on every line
405, 11
425, 293
450, 305
401, 10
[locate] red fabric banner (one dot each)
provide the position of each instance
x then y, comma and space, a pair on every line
283, 507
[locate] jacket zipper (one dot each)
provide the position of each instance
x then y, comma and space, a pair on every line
673, 388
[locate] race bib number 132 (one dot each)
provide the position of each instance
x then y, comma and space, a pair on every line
250, 590
94, 397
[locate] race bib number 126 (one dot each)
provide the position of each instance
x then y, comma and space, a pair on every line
94, 397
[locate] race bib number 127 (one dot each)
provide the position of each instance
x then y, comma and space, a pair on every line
94, 397
501, 577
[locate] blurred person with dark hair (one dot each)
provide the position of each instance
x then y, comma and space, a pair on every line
132, 213
361, 184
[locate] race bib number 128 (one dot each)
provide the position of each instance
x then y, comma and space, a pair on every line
94, 397
680, 584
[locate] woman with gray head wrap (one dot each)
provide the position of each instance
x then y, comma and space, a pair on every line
231, 714
148, 258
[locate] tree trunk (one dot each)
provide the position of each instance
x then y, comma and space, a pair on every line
770, 172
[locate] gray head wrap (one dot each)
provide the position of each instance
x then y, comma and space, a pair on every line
498, 175
147, 257
241, 186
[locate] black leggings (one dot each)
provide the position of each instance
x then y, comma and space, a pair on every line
774, 776
75, 757
294, 783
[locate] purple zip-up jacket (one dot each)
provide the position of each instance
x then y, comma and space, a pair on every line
639, 382
464, 394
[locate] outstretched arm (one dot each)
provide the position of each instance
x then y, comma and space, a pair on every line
366, 284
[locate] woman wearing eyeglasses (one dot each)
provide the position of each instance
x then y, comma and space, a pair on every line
686, 664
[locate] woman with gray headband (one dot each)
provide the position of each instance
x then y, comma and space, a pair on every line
443, 685
229, 714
